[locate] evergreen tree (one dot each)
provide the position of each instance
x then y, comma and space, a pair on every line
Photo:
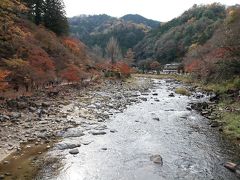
50, 13
35, 10
55, 17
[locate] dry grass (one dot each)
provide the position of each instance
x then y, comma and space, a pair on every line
182, 91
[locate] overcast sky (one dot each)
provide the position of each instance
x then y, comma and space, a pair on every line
161, 10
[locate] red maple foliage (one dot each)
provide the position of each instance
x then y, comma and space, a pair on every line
42, 66
123, 68
71, 73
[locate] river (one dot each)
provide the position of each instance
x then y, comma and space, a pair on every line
162, 125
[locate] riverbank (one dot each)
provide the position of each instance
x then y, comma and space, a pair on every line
39, 119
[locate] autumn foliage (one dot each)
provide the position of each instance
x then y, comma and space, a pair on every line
72, 73
34, 55
219, 58
119, 69
3, 75
123, 68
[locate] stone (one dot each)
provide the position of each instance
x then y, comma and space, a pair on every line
231, 166
8, 174
67, 145
102, 127
15, 115
45, 104
5, 117
92, 106
171, 95
5, 162
156, 119
74, 151
98, 133
113, 130
143, 99
155, 94
32, 109
189, 108
104, 149
73, 132
157, 159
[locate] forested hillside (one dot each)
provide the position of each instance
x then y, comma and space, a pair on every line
218, 59
98, 29
135, 18
171, 41
34, 48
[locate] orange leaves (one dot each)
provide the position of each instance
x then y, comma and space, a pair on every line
193, 66
3, 75
42, 66
104, 66
40, 60
71, 73
72, 44
122, 68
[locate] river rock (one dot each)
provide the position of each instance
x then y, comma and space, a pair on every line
102, 127
32, 109
113, 130
4, 117
98, 133
73, 132
15, 115
157, 159
156, 119
67, 145
143, 99
74, 151
188, 108
232, 167
156, 99
92, 106
45, 104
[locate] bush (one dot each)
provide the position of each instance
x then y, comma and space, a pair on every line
182, 91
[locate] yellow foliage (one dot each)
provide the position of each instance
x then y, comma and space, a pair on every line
193, 46
15, 63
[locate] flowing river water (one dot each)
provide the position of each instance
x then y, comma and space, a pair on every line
162, 125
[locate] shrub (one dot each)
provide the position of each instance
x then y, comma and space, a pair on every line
182, 91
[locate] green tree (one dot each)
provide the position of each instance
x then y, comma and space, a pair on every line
54, 16
35, 10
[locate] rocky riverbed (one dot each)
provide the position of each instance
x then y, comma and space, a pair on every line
139, 129
39, 119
